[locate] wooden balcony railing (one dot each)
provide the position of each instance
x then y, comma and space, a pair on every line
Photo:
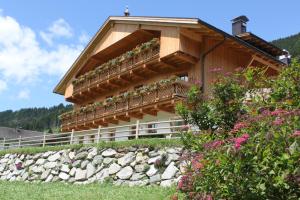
112, 69
162, 96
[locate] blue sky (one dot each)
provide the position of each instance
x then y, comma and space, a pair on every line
39, 40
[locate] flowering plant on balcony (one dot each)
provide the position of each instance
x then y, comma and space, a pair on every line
123, 97
117, 61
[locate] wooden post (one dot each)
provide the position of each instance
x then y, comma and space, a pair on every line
44, 139
137, 127
20, 138
98, 134
72, 135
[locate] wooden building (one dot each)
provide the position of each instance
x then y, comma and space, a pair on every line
139, 67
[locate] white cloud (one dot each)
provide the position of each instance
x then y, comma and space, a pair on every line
3, 86
59, 28
24, 94
23, 59
84, 38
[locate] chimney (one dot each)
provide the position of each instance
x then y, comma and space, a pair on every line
126, 12
286, 57
239, 25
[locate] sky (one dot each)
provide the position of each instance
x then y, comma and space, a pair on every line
39, 40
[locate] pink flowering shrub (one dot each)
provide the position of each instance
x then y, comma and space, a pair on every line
246, 149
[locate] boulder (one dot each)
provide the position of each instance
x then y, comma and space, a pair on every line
152, 171
40, 161
92, 153
90, 170
50, 165
72, 155
49, 178
37, 169
167, 183
45, 174
80, 175
104, 173
170, 171
137, 176
84, 164
65, 168
54, 157
64, 176
73, 171
81, 156
140, 158
76, 163
155, 178
97, 160
28, 163
125, 173
125, 160
140, 168
152, 160
107, 161
114, 168
109, 153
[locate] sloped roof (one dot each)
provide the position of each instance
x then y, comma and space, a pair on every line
165, 21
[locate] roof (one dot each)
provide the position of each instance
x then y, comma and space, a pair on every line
166, 21
261, 44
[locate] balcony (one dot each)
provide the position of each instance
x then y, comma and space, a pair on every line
149, 100
137, 64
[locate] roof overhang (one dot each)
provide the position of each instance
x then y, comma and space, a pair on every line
164, 21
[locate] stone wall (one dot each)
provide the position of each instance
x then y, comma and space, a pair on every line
131, 166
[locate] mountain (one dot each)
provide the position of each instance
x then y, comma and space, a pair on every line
37, 119
290, 43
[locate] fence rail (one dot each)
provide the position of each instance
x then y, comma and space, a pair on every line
163, 129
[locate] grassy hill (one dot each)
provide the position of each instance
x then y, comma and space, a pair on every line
291, 43
38, 119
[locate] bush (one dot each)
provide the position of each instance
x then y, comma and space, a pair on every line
248, 147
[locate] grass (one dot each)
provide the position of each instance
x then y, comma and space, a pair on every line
53, 191
151, 143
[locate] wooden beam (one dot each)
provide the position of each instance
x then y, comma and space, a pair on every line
267, 63
191, 34
122, 118
135, 115
149, 112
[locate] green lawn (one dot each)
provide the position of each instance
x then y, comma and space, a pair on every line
151, 142
60, 191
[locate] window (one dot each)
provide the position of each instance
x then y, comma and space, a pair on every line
152, 128
184, 77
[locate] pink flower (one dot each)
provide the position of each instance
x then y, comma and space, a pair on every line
239, 69
239, 126
213, 144
277, 122
240, 140
185, 127
278, 112
296, 134
216, 69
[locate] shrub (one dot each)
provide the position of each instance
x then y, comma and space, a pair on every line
249, 149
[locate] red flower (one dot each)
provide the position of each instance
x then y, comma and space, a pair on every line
296, 134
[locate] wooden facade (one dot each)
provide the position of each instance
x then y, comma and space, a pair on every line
161, 48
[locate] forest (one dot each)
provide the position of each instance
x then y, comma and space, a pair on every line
290, 43
38, 119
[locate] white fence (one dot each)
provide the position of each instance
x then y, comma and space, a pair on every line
162, 129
